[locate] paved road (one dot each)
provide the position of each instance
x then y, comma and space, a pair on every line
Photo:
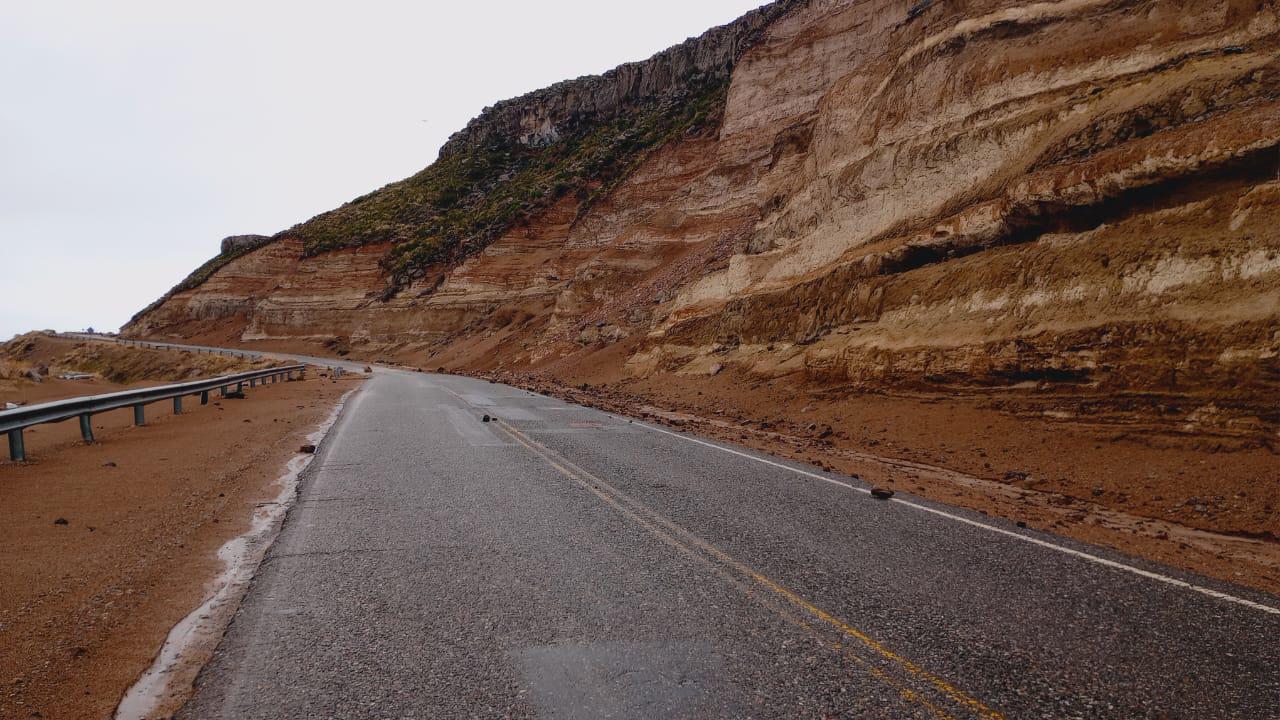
563, 563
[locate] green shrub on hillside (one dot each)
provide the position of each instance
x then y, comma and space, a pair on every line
461, 203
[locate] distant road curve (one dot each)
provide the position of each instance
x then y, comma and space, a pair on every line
346, 365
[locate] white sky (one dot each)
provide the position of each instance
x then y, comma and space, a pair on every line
134, 134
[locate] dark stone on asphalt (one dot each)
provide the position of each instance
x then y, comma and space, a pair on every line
881, 493
1022, 523
486, 418
308, 449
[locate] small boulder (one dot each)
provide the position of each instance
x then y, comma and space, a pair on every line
486, 418
308, 449
61, 521
881, 493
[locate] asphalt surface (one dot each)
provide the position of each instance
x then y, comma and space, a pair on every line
559, 562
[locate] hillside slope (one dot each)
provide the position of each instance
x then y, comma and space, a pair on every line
1061, 211
994, 193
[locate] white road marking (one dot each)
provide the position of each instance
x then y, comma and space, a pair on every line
1008, 533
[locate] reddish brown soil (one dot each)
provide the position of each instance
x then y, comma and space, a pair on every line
87, 604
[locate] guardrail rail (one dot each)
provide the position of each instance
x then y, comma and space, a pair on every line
13, 422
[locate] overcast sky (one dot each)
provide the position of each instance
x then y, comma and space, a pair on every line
134, 135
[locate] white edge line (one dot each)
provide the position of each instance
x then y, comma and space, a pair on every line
1008, 533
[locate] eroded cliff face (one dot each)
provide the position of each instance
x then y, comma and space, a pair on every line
1076, 197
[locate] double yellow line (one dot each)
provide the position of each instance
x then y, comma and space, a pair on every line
912, 682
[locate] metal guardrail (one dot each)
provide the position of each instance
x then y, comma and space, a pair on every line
334, 366
13, 422
246, 354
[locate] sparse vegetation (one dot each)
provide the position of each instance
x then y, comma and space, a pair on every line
463, 202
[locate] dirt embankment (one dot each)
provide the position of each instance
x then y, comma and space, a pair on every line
104, 548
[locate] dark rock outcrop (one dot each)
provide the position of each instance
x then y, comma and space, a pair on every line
240, 244
543, 116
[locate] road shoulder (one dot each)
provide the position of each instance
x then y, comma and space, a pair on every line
107, 547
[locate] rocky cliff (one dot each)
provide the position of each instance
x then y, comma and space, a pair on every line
1071, 196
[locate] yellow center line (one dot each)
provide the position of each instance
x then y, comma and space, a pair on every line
586, 479
906, 692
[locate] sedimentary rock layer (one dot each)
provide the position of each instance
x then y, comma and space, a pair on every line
1077, 194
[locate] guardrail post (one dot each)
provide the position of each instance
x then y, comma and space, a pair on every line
86, 428
17, 451
139, 416
253, 382
177, 406
239, 387
222, 391
204, 398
